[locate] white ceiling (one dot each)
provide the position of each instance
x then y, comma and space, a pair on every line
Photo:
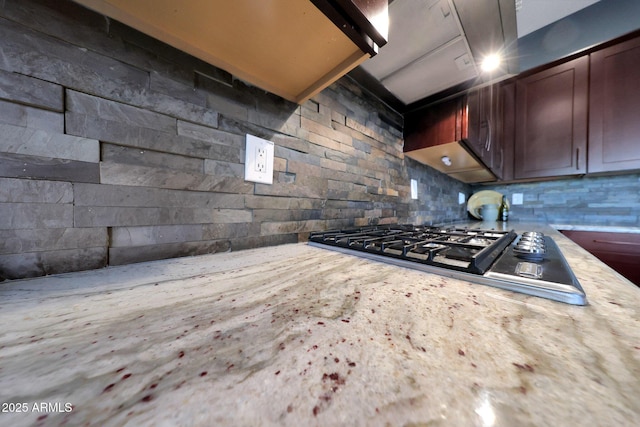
427, 51
532, 15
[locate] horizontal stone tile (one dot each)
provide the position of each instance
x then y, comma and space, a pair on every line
362, 146
46, 168
280, 165
31, 117
113, 153
176, 89
369, 129
32, 53
225, 86
21, 140
63, 20
209, 134
48, 239
35, 215
287, 123
342, 213
133, 136
13, 190
154, 235
297, 156
162, 56
344, 185
327, 132
119, 174
260, 241
316, 112
287, 147
261, 215
82, 103
333, 165
285, 227
104, 216
27, 90
338, 118
227, 106
305, 168
325, 142
120, 256
227, 231
269, 202
34, 264
220, 168
131, 196
305, 187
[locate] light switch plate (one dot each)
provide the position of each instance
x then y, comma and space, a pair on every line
258, 164
414, 189
461, 198
517, 199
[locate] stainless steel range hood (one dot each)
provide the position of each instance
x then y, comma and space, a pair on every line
435, 45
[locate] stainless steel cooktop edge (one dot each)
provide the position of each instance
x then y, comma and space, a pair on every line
553, 291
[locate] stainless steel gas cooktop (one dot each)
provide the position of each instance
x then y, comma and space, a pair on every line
530, 263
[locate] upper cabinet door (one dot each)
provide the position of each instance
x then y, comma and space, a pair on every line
551, 117
614, 126
483, 126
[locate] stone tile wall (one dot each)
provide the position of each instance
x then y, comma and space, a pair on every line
603, 200
115, 148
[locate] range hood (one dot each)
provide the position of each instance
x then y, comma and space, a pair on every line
435, 48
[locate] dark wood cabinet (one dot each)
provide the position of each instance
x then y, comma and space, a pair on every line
489, 110
506, 130
461, 130
481, 124
575, 118
620, 251
440, 124
614, 127
551, 121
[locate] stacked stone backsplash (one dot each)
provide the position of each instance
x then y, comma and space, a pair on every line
601, 200
116, 148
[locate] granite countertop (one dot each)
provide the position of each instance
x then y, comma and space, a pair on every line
296, 335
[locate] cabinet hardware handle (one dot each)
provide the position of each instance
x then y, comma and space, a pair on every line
613, 242
578, 158
501, 160
488, 144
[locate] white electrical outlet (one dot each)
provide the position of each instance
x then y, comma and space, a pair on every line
414, 189
461, 198
261, 159
517, 198
258, 164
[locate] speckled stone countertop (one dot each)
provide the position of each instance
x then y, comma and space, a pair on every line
296, 335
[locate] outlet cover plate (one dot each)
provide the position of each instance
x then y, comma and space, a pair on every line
258, 163
517, 198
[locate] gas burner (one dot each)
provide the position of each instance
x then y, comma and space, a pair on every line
530, 263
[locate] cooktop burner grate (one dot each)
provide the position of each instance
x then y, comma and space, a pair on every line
469, 250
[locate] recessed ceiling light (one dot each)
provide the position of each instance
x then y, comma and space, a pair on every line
490, 62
